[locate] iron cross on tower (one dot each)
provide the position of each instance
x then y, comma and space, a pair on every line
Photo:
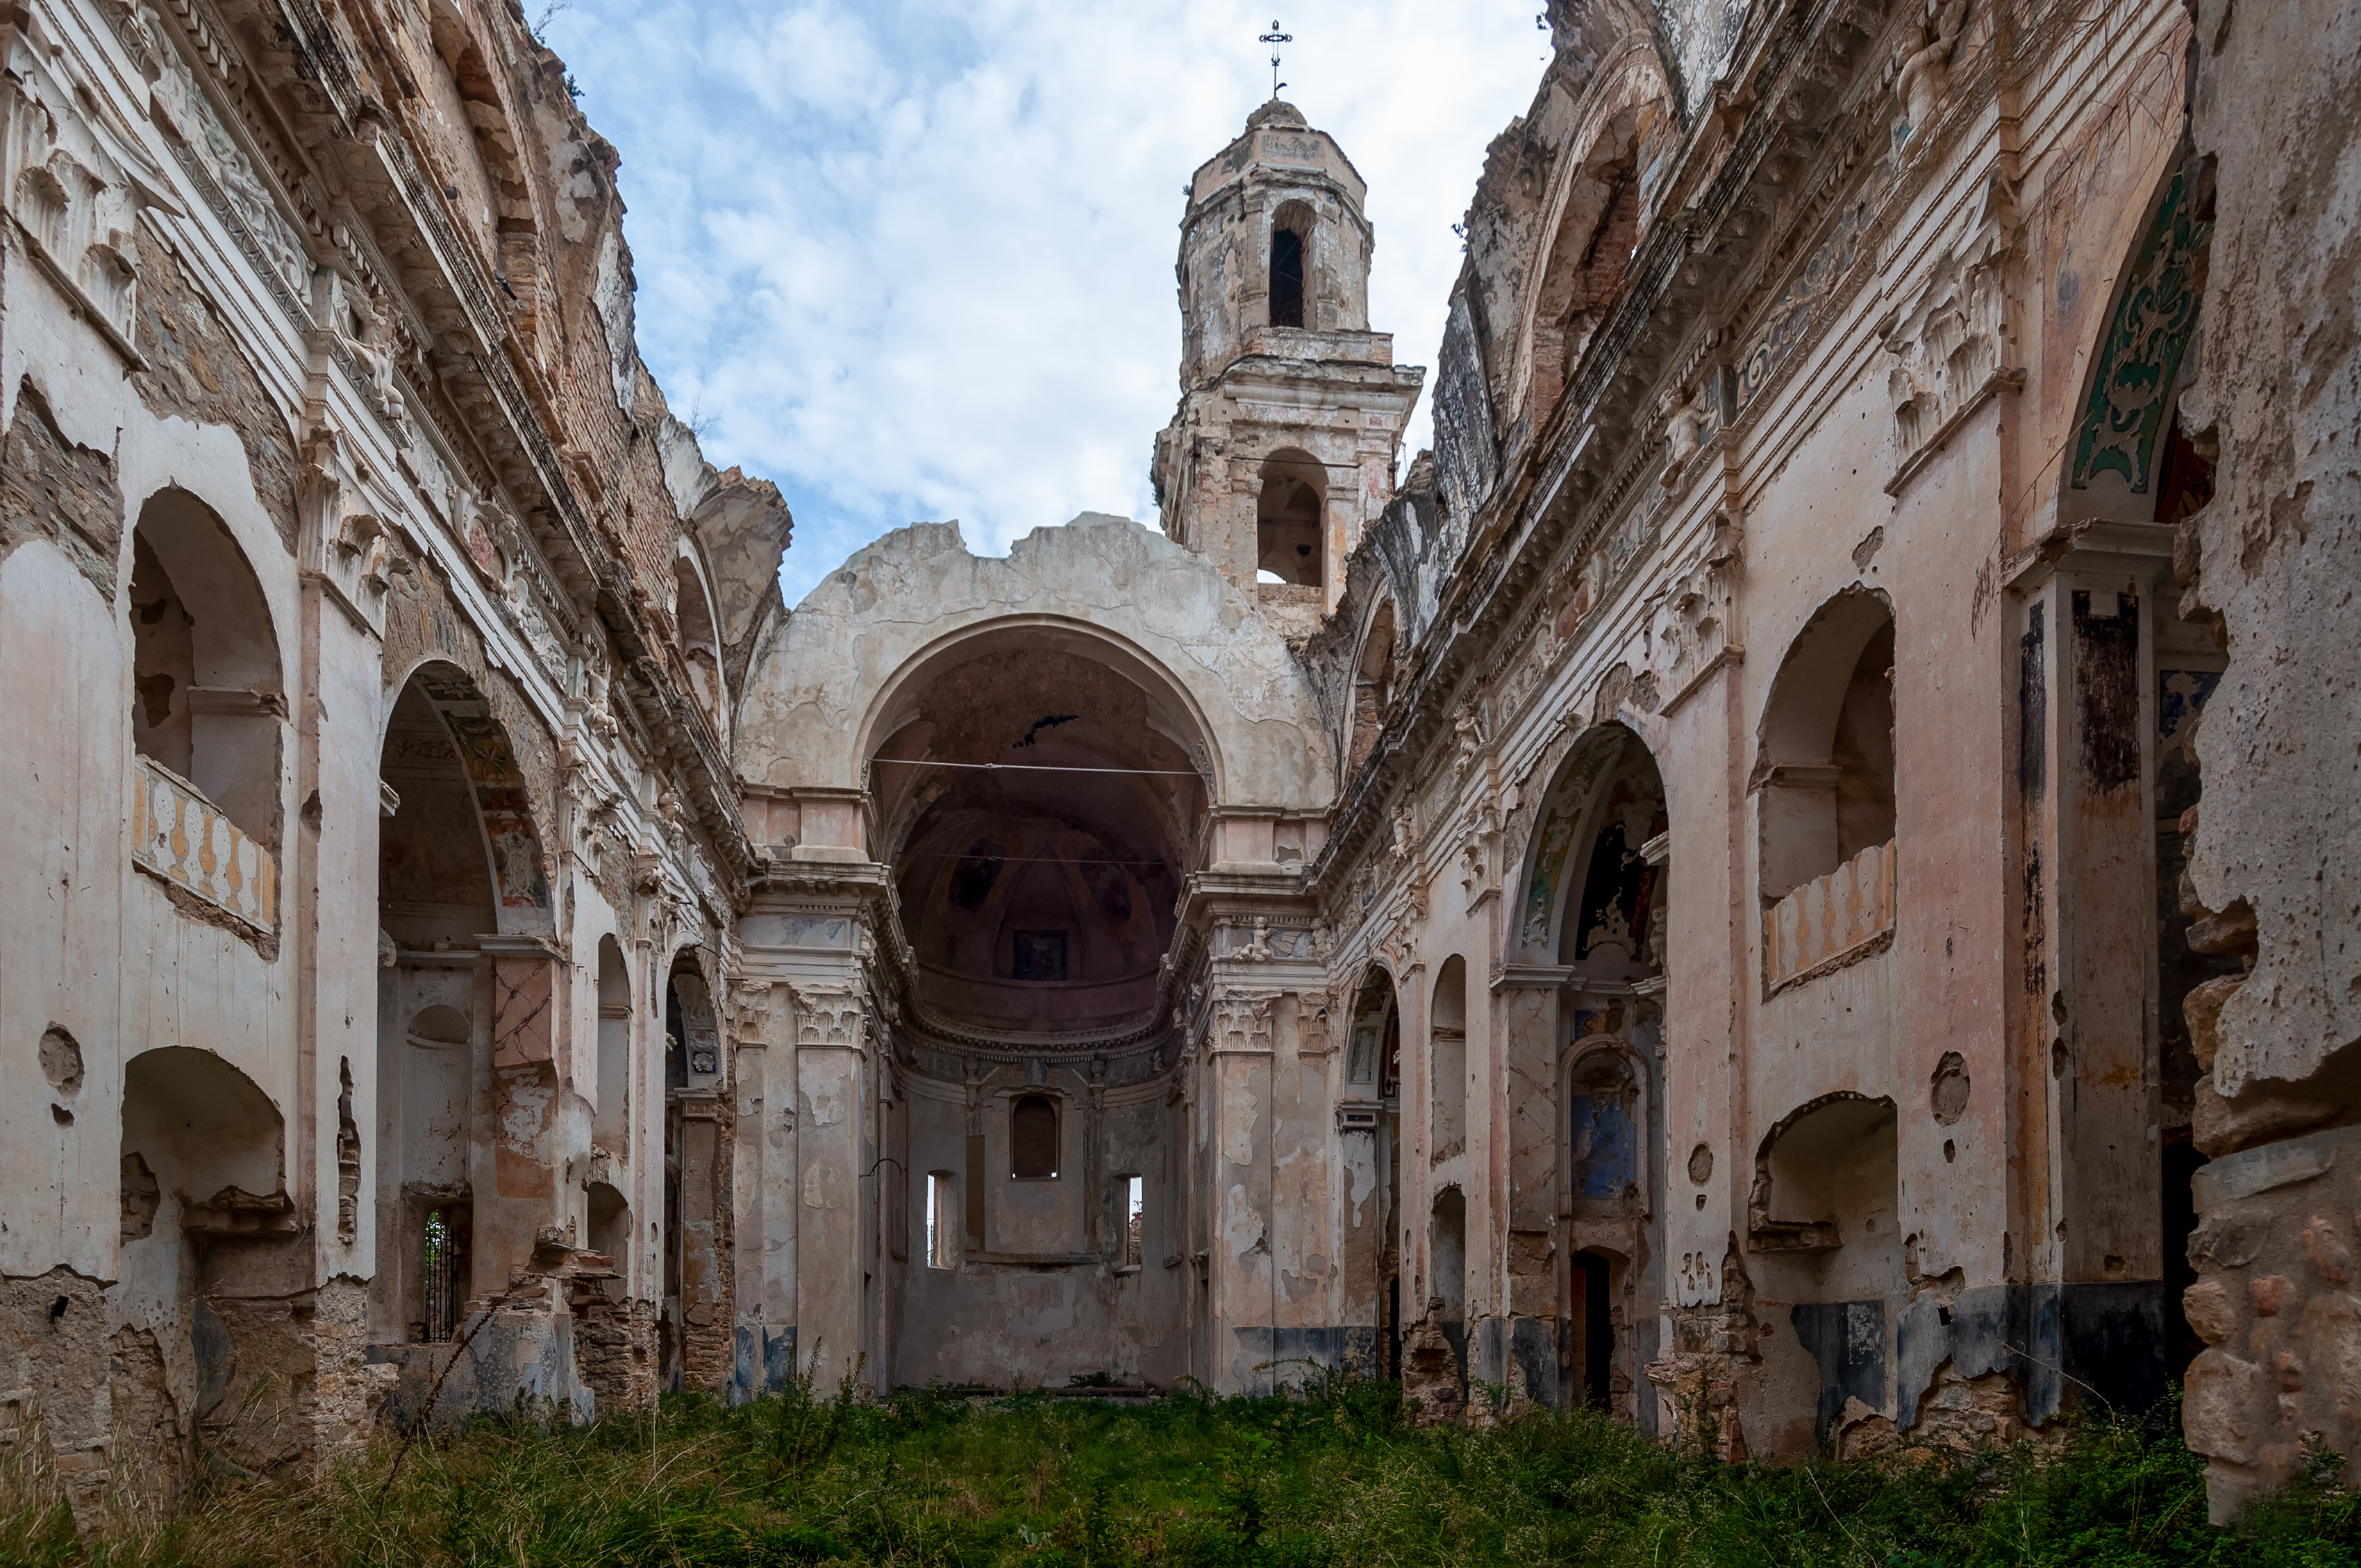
1274, 38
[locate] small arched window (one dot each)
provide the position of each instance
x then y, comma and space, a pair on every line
1033, 1138
1285, 278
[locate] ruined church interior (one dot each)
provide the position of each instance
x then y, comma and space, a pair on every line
1789, 878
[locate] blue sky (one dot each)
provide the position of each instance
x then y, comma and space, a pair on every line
913, 260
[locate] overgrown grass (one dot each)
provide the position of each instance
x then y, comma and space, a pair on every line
1334, 1477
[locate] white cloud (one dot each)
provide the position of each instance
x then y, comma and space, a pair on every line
914, 260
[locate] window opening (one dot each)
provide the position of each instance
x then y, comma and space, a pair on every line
445, 1248
1286, 278
942, 1199
1134, 1210
1041, 955
1033, 1138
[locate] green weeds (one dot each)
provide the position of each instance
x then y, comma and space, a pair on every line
1334, 1477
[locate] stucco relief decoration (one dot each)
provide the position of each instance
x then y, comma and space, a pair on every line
749, 1010
701, 1027
827, 1018
74, 198
211, 155
1692, 625
2141, 362
1692, 419
1791, 317
1404, 847
1467, 729
1476, 848
1242, 1023
1950, 348
1925, 75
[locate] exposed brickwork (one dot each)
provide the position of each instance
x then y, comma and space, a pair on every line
52, 488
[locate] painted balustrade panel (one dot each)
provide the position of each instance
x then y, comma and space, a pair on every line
1829, 917
184, 838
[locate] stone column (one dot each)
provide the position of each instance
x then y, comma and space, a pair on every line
516, 1184
1236, 1113
1525, 1010
832, 1251
2094, 1251
762, 1187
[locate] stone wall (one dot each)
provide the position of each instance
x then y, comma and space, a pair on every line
2277, 393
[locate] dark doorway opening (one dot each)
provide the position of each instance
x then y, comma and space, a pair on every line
1595, 1311
1393, 1330
2181, 1163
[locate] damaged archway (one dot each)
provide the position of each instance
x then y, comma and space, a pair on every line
1585, 1255
207, 1343
1824, 1233
467, 1104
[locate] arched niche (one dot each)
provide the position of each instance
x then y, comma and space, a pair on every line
208, 1233
700, 639
1605, 1130
1448, 1062
1373, 693
208, 697
1594, 890
442, 736
1290, 512
1823, 1233
1373, 1051
1597, 220
693, 1321
470, 126
611, 1114
1824, 790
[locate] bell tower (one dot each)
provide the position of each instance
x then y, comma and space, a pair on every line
1291, 410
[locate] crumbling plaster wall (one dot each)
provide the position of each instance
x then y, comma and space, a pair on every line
817, 691
1799, 495
2277, 394
1074, 1311
285, 371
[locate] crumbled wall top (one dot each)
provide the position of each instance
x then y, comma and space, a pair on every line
918, 589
